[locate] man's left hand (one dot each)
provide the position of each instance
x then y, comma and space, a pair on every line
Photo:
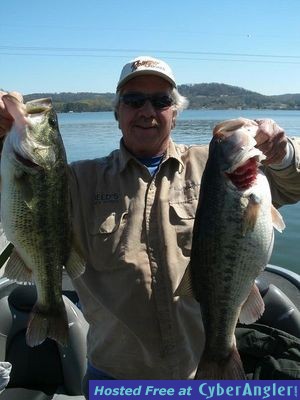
272, 141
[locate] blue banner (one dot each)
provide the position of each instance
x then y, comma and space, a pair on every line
193, 390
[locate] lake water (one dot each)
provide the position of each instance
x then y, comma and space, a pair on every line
91, 135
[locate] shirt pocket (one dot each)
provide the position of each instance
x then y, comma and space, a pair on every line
182, 217
107, 240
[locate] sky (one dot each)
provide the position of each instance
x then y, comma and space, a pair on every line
81, 46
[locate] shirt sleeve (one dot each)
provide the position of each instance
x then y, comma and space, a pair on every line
75, 208
285, 183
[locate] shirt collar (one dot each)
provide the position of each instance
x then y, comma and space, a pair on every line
172, 152
125, 156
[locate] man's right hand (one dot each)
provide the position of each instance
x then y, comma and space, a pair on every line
5, 118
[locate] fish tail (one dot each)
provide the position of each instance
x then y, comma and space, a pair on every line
45, 323
229, 369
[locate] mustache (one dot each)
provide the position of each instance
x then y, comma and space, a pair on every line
147, 123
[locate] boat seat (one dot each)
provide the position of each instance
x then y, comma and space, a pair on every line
280, 312
49, 368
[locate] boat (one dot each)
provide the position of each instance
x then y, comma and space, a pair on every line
50, 371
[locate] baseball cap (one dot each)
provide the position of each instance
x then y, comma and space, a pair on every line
146, 65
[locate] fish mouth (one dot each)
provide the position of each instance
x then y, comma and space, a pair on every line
242, 157
39, 106
237, 139
244, 176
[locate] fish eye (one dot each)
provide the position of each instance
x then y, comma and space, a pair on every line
52, 120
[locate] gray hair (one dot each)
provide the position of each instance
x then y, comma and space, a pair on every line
180, 102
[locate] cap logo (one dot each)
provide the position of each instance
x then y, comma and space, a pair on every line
145, 63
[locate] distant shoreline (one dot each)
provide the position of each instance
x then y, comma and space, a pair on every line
206, 96
194, 109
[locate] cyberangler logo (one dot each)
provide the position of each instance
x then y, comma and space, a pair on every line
259, 390
146, 64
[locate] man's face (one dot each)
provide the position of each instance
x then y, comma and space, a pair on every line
146, 129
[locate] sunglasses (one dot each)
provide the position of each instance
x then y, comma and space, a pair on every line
137, 100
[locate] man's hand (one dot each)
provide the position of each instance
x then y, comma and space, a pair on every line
5, 118
272, 141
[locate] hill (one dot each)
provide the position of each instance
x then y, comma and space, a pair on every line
201, 96
221, 96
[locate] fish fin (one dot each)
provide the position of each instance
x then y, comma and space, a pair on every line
45, 323
75, 266
229, 369
185, 286
251, 214
17, 270
253, 307
277, 219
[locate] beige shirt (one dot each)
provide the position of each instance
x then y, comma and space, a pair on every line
135, 231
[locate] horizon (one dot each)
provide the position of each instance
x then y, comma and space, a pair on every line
182, 84
62, 46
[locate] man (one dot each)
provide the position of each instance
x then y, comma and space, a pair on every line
133, 215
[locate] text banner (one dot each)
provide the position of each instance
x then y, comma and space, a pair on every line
194, 390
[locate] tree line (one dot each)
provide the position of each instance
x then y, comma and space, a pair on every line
201, 96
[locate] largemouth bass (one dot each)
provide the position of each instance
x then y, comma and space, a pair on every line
35, 214
232, 243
